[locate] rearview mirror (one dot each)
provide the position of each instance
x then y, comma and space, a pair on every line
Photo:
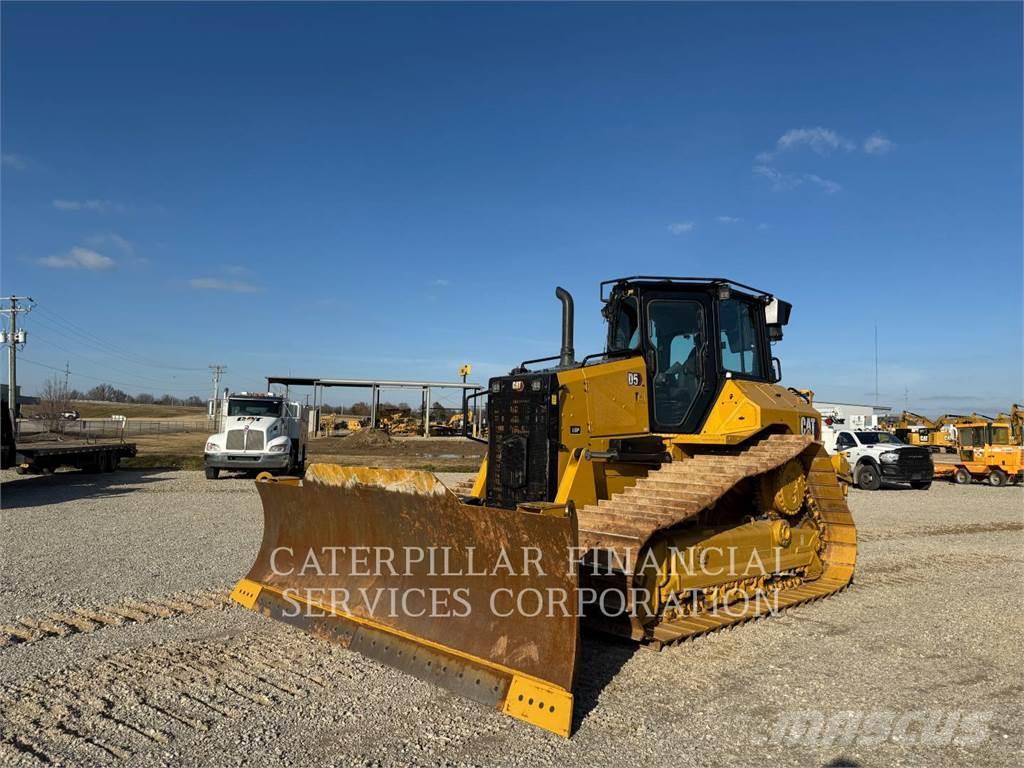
776, 370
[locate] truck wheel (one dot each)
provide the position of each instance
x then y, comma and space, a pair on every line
921, 485
961, 476
997, 478
212, 473
868, 478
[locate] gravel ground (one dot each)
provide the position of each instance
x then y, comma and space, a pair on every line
929, 635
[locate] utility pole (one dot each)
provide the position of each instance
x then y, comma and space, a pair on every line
876, 363
217, 371
67, 375
13, 337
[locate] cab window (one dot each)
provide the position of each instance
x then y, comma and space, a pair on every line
626, 325
675, 330
970, 436
844, 441
739, 338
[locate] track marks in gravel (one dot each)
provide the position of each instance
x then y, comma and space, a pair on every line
912, 571
942, 530
88, 620
128, 704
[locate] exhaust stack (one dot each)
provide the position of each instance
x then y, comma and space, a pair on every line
567, 356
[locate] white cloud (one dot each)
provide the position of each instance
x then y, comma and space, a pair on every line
99, 206
79, 258
828, 185
820, 140
216, 284
782, 180
877, 144
762, 226
681, 227
729, 219
17, 162
439, 282
125, 246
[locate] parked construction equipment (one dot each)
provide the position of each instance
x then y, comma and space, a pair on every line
991, 450
615, 474
937, 434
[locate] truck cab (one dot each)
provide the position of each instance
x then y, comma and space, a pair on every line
259, 431
877, 456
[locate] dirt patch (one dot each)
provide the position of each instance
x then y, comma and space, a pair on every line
367, 438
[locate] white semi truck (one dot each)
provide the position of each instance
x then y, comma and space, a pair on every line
260, 431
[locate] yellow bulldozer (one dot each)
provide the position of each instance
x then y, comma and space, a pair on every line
401, 424
664, 488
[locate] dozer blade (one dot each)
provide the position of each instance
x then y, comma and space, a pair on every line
390, 563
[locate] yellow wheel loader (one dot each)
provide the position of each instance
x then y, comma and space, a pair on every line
661, 489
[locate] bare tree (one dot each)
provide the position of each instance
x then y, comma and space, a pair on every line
53, 403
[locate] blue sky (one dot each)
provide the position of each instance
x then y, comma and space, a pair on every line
393, 190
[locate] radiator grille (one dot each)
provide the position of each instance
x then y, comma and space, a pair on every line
245, 440
523, 442
915, 458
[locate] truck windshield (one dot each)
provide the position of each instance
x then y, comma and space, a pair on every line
254, 407
874, 438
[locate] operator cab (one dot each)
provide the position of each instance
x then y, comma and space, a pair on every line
693, 334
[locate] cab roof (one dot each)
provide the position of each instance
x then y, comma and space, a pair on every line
656, 280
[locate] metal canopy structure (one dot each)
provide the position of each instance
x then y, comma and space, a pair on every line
375, 386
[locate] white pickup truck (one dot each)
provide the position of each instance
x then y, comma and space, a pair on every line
260, 431
876, 456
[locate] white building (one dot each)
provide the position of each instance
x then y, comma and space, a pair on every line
850, 415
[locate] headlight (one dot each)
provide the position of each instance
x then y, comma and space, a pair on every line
212, 448
279, 448
889, 457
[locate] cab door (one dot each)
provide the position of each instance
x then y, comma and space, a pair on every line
682, 378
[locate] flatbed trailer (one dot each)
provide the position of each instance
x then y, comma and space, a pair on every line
45, 458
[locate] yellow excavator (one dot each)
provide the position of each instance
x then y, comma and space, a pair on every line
914, 429
659, 490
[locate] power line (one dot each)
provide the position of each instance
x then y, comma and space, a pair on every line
95, 340
146, 381
104, 380
80, 340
